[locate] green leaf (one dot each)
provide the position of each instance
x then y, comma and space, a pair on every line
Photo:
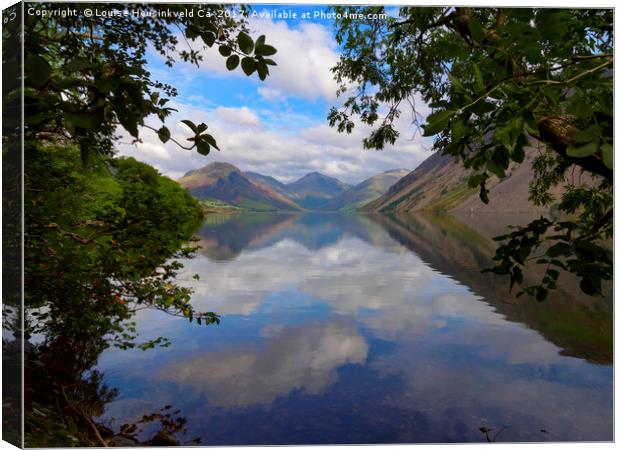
269, 62
200, 128
210, 140
208, 38
478, 78
190, 124
35, 119
477, 31
500, 157
245, 43
518, 154
225, 50
437, 121
593, 132
248, 65
531, 125
78, 64
517, 125
68, 82
164, 134
494, 168
203, 148
232, 62
541, 293
508, 139
260, 41
458, 129
83, 121
476, 180
456, 83
608, 155
589, 286
128, 121
552, 94
585, 150
559, 249
265, 50
192, 32
38, 70
553, 273
484, 196
262, 70
580, 107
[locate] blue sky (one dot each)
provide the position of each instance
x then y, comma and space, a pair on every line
277, 127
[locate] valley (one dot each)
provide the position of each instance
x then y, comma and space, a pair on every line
222, 187
438, 184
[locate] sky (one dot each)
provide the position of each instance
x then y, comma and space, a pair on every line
276, 127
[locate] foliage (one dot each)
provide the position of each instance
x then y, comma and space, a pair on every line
98, 246
102, 236
498, 80
86, 76
100, 243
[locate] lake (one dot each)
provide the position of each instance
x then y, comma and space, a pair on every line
368, 329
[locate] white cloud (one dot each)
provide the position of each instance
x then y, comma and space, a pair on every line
282, 152
271, 94
293, 359
304, 59
238, 116
276, 138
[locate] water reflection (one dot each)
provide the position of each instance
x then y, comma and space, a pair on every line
303, 357
368, 329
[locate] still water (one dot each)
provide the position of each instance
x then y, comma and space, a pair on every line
368, 329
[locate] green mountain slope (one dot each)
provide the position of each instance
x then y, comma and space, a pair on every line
268, 182
226, 183
366, 191
440, 184
315, 190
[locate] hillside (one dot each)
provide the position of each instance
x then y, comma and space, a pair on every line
267, 181
440, 184
366, 191
226, 183
315, 190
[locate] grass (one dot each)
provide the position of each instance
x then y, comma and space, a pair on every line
213, 206
252, 205
414, 197
449, 199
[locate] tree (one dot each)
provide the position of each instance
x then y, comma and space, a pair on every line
102, 235
86, 75
99, 246
85, 79
497, 80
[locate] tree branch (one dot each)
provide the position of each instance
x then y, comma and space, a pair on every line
171, 138
575, 78
557, 131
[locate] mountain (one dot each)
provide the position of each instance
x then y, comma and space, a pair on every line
271, 182
366, 191
458, 250
315, 190
225, 182
440, 184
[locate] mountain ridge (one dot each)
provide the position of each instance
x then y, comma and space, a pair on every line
225, 182
366, 191
440, 184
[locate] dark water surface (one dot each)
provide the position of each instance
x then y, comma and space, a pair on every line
368, 329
